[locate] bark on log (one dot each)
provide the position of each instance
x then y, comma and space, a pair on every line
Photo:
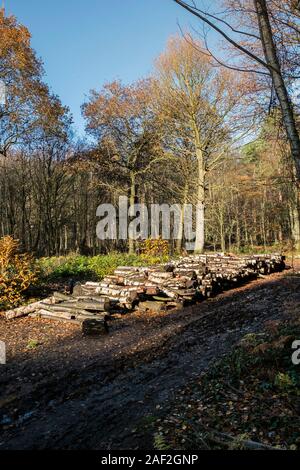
51, 316
102, 305
91, 327
23, 311
72, 311
183, 280
59, 297
79, 317
154, 306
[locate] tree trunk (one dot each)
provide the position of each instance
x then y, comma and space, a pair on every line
238, 229
200, 217
295, 219
200, 227
263, 219
286, 105
131, 241
270, 53
221, 226
180, 234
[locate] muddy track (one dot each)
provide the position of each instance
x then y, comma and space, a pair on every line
98, 401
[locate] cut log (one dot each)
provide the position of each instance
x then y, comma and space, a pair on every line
74, 312
70, 315
184, 280
43, 313
152, 290
51, 316
154, 306
93, 327
159, 278
59, 297
101, 305
78, 290
23, 311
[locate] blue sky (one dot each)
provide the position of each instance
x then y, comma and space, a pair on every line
84, 44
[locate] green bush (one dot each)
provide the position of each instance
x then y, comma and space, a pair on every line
95, 267
63, 266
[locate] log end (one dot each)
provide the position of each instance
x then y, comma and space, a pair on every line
94, 327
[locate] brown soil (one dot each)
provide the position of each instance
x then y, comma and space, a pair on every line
71, 392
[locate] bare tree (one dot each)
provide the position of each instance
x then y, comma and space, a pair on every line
198, 106
269, 44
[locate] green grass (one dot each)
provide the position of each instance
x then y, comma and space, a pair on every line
32, 344
95, 267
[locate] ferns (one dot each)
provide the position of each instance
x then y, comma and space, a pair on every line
160, 442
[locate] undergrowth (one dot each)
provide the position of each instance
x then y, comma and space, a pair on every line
253, 394
95, 267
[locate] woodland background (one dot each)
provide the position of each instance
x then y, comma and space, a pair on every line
194, 132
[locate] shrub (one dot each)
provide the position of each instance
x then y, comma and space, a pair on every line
64, 266
103, 265
95, 267
155, 248
283, 381
17, 273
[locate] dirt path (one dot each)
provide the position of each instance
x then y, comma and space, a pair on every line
74, 392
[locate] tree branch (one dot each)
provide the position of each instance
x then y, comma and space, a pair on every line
202, 17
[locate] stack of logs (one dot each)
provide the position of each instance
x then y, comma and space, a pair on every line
183, 281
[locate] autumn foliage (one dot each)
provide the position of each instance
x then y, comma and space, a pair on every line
155, 247
17, 273
192, 132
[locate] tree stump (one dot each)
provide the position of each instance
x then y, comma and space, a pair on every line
94, 327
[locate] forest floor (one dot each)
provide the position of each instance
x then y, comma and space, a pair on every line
60, 390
